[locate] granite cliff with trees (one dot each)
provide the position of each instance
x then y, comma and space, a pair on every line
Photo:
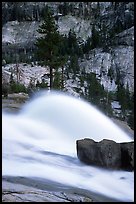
84, 48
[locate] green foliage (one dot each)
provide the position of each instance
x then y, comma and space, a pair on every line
48, 45
130, 118
16, 87
123, 96
87, 45
118, 26
95, 93
72, 44
5, 89
72, 40
73, 65
8, 58
112, 96
63, 46
119, 79
95, 89
65, 8
42, 85
126, 100
57, 85
92, 42
111, 74
95, 40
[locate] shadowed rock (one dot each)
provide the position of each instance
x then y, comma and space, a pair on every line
106, 153
127, 153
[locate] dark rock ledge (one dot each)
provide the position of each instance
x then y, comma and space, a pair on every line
106, 153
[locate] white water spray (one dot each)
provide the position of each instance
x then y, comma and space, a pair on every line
41, 142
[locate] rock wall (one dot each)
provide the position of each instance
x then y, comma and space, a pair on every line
115, 20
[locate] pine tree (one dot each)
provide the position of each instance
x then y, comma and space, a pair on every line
95, 38
73, 65
130, 119
48, 44
57, 80
95, 89
72, 43
87, 45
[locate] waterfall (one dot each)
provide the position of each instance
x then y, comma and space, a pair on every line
40, 142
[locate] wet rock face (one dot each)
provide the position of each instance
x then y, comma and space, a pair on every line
106, 153
110, 153
127, 153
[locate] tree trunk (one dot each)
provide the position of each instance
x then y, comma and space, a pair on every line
62, 79
51, 78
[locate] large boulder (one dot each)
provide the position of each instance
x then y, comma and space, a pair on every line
127, 155
106, 153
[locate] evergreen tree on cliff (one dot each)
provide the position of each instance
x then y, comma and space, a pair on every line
48, 45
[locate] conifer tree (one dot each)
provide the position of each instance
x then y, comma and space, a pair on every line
48, 44
72, 43
95, 38
73, 65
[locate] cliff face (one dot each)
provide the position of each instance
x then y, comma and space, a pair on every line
20, 22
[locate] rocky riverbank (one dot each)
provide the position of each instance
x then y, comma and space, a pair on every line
14, 102
13, 192
21, 189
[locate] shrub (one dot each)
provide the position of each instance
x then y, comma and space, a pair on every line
5, 90
17, 88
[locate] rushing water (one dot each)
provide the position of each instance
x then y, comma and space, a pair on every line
40, 142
